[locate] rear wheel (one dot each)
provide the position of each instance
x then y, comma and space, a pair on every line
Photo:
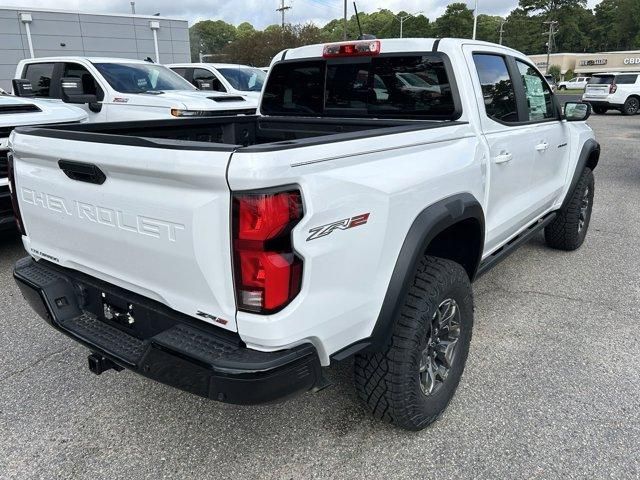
562, 87
600, 110
569, 229
412, 381
631, 106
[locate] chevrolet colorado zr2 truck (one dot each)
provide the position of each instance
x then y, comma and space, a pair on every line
235, 257
15, 112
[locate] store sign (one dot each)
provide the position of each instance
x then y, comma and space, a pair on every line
631, 61
541, 64
596, 61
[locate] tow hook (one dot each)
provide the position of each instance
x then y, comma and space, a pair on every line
99, 364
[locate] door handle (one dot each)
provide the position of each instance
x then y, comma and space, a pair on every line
541, 147
503, 158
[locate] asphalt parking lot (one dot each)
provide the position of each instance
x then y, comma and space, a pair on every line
551, 389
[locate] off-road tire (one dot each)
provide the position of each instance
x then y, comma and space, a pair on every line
389, 381
631, 106
564, 232
600, 110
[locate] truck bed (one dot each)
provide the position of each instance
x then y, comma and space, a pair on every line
229, 133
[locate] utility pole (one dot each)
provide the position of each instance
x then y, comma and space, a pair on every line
552, 32
502, 22
344, 36
475, 19
282, 10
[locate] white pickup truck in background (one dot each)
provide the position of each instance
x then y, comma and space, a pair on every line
234, 257
223, 77
116, 89
16, 112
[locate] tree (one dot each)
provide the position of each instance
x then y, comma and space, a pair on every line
457, 21
554, 71
210, 37
489, 28
244, 29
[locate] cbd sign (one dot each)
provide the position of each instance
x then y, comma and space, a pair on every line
632, 61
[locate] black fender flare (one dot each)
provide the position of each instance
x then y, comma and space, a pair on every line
427, 225
589, 157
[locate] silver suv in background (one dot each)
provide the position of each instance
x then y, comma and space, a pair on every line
614, 91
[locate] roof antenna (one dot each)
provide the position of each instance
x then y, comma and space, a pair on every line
363, 36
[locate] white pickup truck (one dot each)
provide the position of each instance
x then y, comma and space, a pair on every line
235, 257
15, 112
117, 89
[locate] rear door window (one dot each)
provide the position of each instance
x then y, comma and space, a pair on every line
626, 79
388, 86
497, 87
40, 74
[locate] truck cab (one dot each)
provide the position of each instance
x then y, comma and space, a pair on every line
116, 89
223, 77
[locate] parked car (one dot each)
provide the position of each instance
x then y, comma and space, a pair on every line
116, 89
15, 112
552, 82
223, 77
614, 91
576, 83
234, 257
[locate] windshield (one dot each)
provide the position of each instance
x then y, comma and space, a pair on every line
601, 79
245, 79
141, 77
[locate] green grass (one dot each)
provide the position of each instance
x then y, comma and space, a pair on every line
571, 91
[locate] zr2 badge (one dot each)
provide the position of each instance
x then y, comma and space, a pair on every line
347, 223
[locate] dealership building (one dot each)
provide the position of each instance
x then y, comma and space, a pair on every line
32, 32
590, 63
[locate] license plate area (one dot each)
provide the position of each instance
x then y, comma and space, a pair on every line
117, 311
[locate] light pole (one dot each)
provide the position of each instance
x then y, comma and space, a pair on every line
344, 35
403, 18
475, 19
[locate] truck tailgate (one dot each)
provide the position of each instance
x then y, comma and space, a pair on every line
158, 225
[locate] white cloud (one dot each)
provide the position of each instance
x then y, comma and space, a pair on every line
263, 12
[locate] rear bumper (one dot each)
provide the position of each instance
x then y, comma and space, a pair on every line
7, 220
601, 103
162, 344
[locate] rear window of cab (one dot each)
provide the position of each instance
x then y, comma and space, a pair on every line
410, 86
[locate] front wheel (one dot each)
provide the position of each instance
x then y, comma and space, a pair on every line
600, 110
631, 106
562, 87
411, 382
569, 229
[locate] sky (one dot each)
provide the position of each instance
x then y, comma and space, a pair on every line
261, 13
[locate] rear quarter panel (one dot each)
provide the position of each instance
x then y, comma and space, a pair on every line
346, 274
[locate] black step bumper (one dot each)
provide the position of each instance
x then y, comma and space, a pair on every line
7, 220
162, 344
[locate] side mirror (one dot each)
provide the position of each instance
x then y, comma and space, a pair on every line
72, 92
576, 111
204, 84
22, 88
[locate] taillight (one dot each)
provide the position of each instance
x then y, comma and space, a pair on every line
612, 88
14, 194
268, 272
367, 48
